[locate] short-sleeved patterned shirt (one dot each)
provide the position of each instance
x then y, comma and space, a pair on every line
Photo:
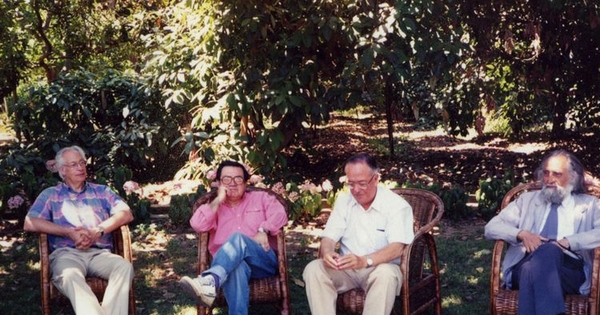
64, 206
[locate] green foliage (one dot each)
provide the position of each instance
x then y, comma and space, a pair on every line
306, 201
140, 208
180, 209
528, 74
255, 74
491, 192
113, 116
455, 203
23, 172
454, 197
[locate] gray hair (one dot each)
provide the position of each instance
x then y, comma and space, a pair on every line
576, 170
60, 161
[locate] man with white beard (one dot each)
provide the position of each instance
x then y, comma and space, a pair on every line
552, 233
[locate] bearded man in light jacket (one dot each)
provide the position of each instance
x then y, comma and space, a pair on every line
552, 233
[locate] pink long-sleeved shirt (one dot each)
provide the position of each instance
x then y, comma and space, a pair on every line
257, 209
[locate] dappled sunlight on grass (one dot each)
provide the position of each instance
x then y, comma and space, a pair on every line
450, 301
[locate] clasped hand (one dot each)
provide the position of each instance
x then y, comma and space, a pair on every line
335, 261
83, 238
532, 241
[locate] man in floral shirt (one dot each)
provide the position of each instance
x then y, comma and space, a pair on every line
79, 217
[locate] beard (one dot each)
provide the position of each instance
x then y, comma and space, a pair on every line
556, 194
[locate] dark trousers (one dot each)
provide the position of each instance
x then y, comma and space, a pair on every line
543, 277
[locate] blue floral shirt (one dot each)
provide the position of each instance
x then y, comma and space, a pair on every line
64, 206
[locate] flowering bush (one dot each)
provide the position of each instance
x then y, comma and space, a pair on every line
15, 202
306, 199
140, 206
18, 206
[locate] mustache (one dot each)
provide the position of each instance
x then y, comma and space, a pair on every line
555, 193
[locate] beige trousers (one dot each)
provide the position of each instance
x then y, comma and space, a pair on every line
69, 268
381, 283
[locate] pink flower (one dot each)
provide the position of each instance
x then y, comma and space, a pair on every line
326, 185
278, 188
15, 202
255, 179
211, 175
130, 187
310, 187
294, 196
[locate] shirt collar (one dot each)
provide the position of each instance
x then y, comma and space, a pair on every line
68, 188
376, 205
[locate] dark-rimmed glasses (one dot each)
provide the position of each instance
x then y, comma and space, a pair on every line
361, 185
236, 179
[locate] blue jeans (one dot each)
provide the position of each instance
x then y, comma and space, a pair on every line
235, 263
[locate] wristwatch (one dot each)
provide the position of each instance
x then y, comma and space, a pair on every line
262, 230
101, 230
369, 262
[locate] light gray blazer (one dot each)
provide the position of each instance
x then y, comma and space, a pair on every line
527, 213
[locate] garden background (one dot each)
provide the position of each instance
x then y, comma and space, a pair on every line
458, 97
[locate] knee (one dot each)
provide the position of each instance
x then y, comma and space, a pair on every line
68, 275
313, 270
386, 273
237, 238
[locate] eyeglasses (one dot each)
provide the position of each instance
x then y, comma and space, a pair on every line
236, 179
361, 185
81, 163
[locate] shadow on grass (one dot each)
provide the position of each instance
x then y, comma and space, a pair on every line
162, 257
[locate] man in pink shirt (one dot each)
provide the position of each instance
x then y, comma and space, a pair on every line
239, 224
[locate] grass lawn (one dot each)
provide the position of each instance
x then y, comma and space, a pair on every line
164, 254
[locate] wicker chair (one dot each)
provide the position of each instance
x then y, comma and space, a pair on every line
421, 287
121, 245
505, 302
273, 290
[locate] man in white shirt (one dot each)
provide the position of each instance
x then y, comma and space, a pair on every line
552, 233
372, 225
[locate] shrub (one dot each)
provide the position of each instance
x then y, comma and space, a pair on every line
491, 192
180, 209
455, 203
454, 198
113, 116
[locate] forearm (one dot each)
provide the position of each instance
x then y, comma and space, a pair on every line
387, 254
39, 225
327, 246
118, 219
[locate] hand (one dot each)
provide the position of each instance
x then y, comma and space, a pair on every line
83, 238
330, 260
350, 261
564, 243
531, 241
263, 240
221, 195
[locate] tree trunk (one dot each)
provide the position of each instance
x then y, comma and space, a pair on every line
559, 117
389, 102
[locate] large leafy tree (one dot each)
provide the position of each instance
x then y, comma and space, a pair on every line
256, 72
541, 58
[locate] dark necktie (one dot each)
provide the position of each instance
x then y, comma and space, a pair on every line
551, 227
